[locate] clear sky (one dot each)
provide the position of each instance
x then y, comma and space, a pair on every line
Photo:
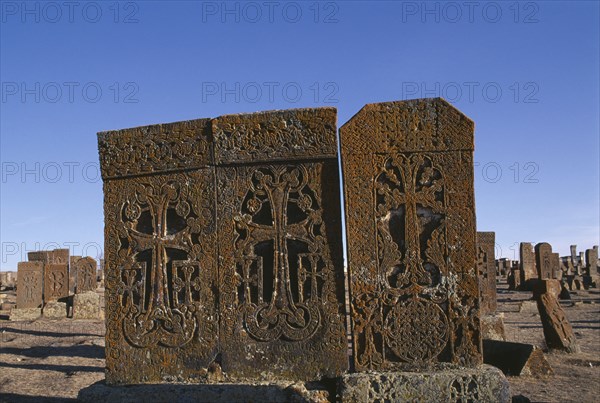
527, 73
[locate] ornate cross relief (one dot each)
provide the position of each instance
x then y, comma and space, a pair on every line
278, 255
160, 281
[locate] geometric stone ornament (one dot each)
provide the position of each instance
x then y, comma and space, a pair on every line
410, 219
85, 269
281, 282
480, 384
487, 271
265, 297
56, 281
29, 291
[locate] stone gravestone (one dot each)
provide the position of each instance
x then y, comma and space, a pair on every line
86, 274
408, 173
56, 281
266, 301
279, 235
410, 217
72, 273
29, 290
486, 271
555, 266
557, 329
527, 263
543, 260
591, 261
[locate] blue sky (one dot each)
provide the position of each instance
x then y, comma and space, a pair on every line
525, 72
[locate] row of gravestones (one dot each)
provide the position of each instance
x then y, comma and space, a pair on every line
223, 244
541, 263
53, 275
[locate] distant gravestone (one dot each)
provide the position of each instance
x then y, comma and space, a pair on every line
72, 273
527, 262
591, 261
86, 274
29, 290
56, 281
543, 260
408, 173
555, 266
264, 299
486, 271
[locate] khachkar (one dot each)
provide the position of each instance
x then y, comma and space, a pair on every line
281, 269
276, 268
85, 274
410, 217
29, 291
492, 325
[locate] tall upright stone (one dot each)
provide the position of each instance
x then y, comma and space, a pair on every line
56, 281
29, 290
264, 298
543, 260
527, 262
72, 273
486, 268
555, 266
160, 252
279, 230
591, 261
410, 217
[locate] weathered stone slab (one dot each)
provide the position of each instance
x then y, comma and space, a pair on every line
19, 314
55, 256
86, 305
56, 281
55, 310
514, 278
492, 327
543, 261
85, 269
591, 261
555, 266
516, 359
481, 384
557, 329
31, 278
72, 273
486, 272
8, 280
281, 267
527, 262
408, 173
223, 392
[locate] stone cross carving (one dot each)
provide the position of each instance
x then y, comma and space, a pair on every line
29, 290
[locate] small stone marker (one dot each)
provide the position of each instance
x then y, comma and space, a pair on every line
543, 260
85, 269
408, 173
56, 281
527, 262
29, 290
557, 329
86, 305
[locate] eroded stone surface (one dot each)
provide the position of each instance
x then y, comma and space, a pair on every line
85, 270
86, 305
557, 329
408, 172
527, 262
486, 270
55, 310
29, 291
544, 261
516, 359
18, 314
492, 327
56, 281
481, 384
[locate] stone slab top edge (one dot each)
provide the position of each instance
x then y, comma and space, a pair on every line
290, 134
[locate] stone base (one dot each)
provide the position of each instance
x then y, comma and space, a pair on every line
55, 310
224, 392
482, 384
17, 314
528, 307
492, 327
87, 306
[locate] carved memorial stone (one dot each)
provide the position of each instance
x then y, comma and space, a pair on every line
527, 262
555, 266
486, 271
408, 173
591, 261
86, 274
280, 268
557, 329
29, 291
543, 260
266, 300
160, 256
56, 281
73, 273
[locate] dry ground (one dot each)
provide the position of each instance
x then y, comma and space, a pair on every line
51, 360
